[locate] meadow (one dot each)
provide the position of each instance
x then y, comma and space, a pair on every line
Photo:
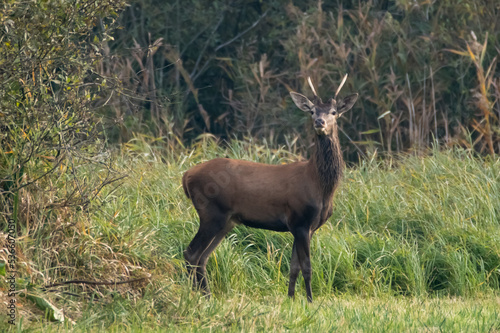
413, 244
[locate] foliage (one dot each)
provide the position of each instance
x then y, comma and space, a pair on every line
226, 67
48, 125
53, 161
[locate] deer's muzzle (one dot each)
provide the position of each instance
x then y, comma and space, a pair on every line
320, 126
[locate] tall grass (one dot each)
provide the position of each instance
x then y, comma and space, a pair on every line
411, 225
404, 231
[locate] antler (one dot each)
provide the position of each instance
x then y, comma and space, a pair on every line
340, 87
312, 87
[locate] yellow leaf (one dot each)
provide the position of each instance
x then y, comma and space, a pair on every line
462, 53
473, 57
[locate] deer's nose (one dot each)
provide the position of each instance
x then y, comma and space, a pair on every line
319, 122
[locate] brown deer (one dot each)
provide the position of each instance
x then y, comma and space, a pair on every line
295, 197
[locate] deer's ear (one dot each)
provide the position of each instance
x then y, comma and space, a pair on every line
347, 103
302, 101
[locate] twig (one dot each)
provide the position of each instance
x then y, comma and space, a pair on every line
192, 40
205, 46
355, 145
434, 105
242, 33
411, 110
38, 178
194, 75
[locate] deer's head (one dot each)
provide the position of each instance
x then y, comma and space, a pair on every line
324, 115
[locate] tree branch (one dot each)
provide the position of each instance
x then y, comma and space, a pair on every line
242, 33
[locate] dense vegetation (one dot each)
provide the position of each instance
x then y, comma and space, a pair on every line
424, 70
415, 233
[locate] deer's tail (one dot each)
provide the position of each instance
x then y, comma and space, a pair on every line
185, 184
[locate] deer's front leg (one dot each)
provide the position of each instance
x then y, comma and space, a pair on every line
302, 240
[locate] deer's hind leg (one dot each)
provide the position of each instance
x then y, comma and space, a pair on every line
294, 271
214, 225
202, 264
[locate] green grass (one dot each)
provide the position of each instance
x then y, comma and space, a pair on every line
413, 244
276, 313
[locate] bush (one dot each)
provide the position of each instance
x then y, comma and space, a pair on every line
53, 160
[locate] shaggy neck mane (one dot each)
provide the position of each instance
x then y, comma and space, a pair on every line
328, 162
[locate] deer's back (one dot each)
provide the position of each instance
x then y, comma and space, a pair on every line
253, 192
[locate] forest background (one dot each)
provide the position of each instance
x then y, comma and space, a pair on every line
425, 70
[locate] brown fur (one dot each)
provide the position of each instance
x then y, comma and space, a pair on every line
296, 197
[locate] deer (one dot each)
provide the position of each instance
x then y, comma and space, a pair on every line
295, 197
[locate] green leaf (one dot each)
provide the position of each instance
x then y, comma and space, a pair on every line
372, 131
51, 312
2, 268
368, 142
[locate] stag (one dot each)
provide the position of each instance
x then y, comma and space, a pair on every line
295, 197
